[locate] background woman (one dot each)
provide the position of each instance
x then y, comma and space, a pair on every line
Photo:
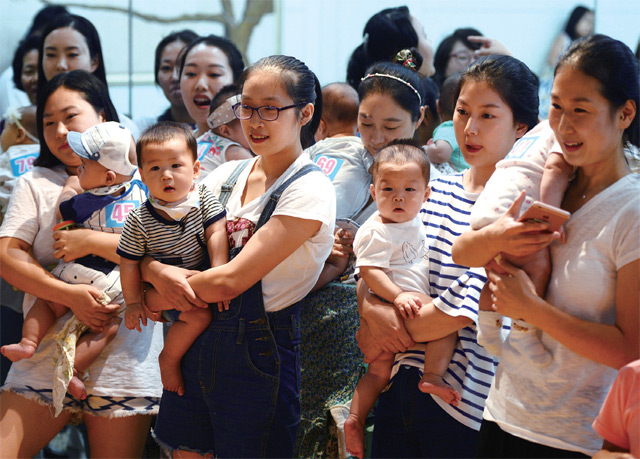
497, 103
25, 66
589, 317
124, 383
455, 53
72, 42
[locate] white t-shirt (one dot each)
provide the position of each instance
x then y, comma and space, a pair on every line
555, 405
212, 152
17, 160
129, 364
400, 249
310, 197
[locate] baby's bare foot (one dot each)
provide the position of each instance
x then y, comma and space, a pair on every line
434, 384
171, 374
22, 350
354, 436
76, 388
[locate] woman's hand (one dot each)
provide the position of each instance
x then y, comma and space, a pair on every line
488, 46
171, 283
72, 244
342, 246
512, 292
82, 300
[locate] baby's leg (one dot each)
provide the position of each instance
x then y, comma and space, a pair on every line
523, 336
36, 324
364, 396
437, 357
179, 339
88, 349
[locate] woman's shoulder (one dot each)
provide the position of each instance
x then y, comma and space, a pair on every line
55, 176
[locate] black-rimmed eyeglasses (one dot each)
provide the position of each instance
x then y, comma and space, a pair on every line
266, 112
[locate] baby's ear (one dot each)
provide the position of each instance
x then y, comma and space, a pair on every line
111, 178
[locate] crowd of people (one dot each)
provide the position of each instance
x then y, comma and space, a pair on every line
164, 261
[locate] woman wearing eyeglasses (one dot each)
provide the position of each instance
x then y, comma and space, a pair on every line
455, 53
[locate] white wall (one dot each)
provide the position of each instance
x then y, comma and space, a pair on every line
323, 33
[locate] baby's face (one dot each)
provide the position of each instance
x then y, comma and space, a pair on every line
399, 191
91, 174
168, 169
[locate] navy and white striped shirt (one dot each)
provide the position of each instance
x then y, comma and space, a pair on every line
445, 216
179, 243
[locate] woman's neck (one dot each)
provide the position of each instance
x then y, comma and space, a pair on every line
475, 178
180, 114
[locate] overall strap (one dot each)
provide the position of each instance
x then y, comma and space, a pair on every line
227, 187
275, 196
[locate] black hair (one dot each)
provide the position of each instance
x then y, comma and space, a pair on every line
399, 91
45, 16
512, 80
224, 93
574, 18
27, 45
448, 94
430, 94
163, 132
385, 33
300, 83
613, 64
90, 88
402, 151
236, 62
87, 30
441, 57
185, 36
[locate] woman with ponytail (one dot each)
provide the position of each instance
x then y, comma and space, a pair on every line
242, 374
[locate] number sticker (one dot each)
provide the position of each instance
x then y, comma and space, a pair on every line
117, 212
22, 164
521, 147
329, 166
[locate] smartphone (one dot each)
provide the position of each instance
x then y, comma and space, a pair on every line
540, 212
348, 225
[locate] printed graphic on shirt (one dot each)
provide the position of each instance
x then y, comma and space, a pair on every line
239, 231
413, 254
329, 165
208, 147
22, 164
521, 147
117, 212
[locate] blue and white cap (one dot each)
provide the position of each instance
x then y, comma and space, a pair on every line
107, 143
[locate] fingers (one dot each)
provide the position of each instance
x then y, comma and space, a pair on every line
516, 205
479, 39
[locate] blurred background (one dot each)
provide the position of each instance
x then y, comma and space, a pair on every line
323, 33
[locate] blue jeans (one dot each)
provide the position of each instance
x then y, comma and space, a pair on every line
410, 424
242, 385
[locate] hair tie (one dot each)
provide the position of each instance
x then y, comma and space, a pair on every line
393, 77
13, 116
224, 113
405, 58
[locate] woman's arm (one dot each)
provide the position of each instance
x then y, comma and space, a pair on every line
266, 249
612, 345
78, 243
22, 271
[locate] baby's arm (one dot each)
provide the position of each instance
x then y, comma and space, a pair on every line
555, 179
379, 282
71, 188
130, 281
439, 151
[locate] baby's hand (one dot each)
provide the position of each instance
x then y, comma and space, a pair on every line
408, 305
223, 305
133, 315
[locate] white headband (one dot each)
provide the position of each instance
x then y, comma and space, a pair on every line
13, 116
224, 113
393, 77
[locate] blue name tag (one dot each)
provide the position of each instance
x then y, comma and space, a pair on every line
521, 147
117, 212
329, 166
22, 164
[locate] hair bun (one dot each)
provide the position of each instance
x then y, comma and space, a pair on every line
409, 58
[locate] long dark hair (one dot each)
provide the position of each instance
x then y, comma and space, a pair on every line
574, 18
27, 45
301, 85
90, 89
441, 57
185, 36
613, 64
223, 44
512, 80
385, 33
90, 34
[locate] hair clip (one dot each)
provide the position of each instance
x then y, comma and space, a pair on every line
393, 77
405, 58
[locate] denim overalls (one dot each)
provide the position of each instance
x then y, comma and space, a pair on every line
242, 375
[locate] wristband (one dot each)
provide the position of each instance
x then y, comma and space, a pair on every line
64, 225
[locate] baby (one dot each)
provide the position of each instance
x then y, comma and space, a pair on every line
20, 147
180, 224
536, 165
105, 176
392, 257
225, 140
